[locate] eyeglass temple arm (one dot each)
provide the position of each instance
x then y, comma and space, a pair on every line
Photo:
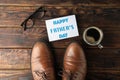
40, 9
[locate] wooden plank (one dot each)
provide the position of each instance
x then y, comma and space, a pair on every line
97, 59
17, 38
105, 59
90, 76
26, 75
15, 75
98, 16
102, 60
59, 2
108, 66
14, 59
102, 64
103, 76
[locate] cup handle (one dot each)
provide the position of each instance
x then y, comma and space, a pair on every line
100, 46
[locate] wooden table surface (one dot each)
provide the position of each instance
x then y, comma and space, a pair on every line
16, 44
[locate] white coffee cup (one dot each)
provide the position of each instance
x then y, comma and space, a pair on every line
93, 36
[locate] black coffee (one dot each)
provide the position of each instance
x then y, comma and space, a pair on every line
94, 34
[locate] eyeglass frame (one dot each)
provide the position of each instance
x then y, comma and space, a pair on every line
31, 17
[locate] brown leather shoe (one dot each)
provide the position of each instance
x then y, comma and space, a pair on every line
74, 63
41, 62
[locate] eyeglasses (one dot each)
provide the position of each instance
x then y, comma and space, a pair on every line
30, 21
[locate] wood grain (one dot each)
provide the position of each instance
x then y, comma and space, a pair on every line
58, 2
97, 16
15, 74
103, 76
108, 59
14, 59
108, 66
17, 38
16, 44
103, 60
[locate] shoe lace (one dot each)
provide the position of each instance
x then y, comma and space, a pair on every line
68, 74
41, 75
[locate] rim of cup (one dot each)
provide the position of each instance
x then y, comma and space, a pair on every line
100, 38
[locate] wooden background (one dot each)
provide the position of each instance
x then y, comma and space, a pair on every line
16, 44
